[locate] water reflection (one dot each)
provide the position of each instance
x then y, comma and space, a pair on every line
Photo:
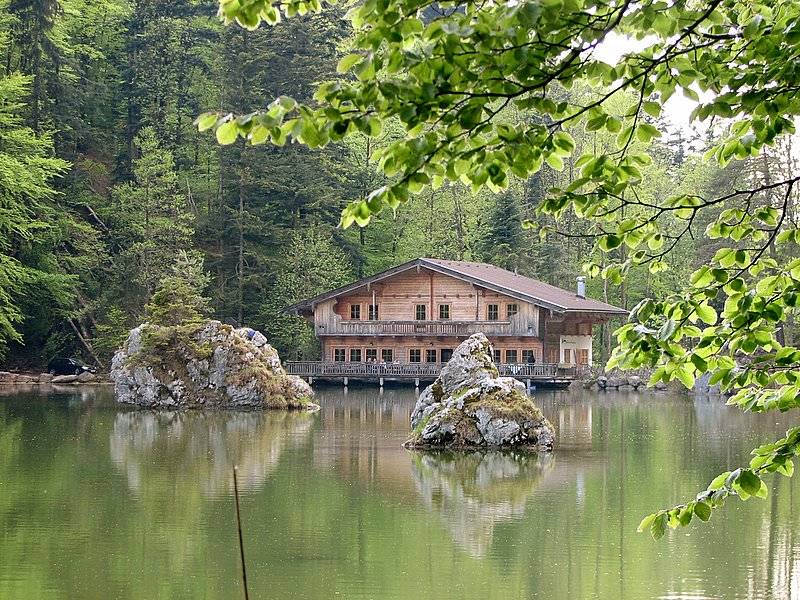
98, 502
202, 447
473, 492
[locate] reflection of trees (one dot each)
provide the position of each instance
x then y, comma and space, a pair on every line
473, 492
201, 447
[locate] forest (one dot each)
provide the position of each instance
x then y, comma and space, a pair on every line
107, 186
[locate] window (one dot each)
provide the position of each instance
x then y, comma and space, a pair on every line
583, 356
511, 356
387, 355
511, 310
415, 355
566, 356
444, 312
430, 356
355, 354
372, 355
552, 355
355, 312
528, 357
446, 354
493, 312
496, 356
420, 312
338, 354
373, 312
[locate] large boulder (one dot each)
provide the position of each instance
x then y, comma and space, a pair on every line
204, 365
471, 406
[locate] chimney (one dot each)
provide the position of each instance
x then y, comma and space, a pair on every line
581, 287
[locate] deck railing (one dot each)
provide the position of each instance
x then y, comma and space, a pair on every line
417, 370
451, 328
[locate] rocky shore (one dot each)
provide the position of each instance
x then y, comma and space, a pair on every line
10, 378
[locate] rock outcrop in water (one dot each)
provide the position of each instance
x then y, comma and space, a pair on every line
471, 406
204, 365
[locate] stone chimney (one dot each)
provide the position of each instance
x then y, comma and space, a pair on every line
581, 287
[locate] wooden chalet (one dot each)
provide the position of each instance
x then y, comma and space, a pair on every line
406, 321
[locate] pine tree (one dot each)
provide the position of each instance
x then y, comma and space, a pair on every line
503, 243
179, 299
311, 264
150, 220
34, 21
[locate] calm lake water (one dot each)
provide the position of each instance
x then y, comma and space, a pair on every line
99, 502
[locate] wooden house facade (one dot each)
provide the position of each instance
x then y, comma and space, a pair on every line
418, 312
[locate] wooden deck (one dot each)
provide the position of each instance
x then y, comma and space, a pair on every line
360, 371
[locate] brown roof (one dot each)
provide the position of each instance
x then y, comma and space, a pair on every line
490, 277
533, 288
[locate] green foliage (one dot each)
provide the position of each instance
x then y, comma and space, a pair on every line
734, 321
29, 233
111, 332
311, 264
178, 299
150, 215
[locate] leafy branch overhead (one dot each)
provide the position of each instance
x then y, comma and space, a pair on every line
482, 91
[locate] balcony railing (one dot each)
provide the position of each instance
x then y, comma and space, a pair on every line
365, 370
449, 328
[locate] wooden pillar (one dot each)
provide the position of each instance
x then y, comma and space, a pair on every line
430, 317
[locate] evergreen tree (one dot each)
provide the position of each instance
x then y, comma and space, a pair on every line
29, 267
179, 299
39, 56
503, 243
150, 219
310, 265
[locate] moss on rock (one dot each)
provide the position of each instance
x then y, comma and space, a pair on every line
471, 406
204, 365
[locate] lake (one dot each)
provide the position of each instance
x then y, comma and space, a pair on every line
101, 502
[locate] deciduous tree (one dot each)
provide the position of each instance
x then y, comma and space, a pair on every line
452, 72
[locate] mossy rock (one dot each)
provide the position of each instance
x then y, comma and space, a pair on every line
470, 406
204, 365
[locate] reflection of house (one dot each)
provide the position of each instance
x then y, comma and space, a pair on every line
418, 312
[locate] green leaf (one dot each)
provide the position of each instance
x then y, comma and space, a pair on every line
652, 108
646, 522
703, 511
564, 141
555, 161
749, 482
206, 121
348, 62
610, 241
706, 313
227, 133
646, 132
685, 376
659, 526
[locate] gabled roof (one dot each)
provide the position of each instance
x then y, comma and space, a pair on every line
487, 276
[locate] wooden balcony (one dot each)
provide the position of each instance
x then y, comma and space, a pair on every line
417, 328
421, 371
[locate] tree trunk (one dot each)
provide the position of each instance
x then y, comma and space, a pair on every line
85, 344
